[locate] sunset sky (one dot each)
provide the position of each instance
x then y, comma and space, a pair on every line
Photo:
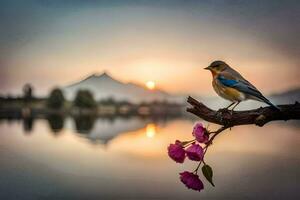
52, 43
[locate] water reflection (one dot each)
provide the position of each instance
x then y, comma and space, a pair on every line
104, 130
99, 130
56, 123
84, 124
28, 123
94, 156
151, 130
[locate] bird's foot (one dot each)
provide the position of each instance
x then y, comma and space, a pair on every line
223, 111
223, 114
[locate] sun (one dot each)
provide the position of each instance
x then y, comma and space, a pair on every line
150, 85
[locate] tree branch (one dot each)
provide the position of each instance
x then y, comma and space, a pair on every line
259, 116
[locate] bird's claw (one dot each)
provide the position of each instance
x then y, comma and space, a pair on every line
221, 113
224, 114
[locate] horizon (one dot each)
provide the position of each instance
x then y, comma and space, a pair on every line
142, 85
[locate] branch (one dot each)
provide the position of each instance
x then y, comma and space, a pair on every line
259, 116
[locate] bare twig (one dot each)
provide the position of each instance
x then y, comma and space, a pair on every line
216, 133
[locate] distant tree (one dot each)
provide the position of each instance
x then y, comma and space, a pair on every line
84, 99
143, 103
28, 92
108, 102
124, 103
56, 99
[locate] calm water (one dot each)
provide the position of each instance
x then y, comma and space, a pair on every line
126, 159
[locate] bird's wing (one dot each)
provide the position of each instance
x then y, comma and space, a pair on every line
232, 74
240, 84
233, 79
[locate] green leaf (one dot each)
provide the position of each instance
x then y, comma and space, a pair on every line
208, 173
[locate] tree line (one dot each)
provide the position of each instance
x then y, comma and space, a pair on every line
83, 99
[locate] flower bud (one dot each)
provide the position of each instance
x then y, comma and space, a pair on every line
176, 152
191, 181
200, 133
195, 152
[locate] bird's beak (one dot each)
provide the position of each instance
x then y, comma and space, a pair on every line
207, 68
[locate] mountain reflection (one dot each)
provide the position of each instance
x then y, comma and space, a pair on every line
104, 130
98, 130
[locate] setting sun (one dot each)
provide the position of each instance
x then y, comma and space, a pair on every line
150, 85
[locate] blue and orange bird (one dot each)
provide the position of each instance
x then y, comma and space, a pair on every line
230, 85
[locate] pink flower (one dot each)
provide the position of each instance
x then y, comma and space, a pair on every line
195, 152
191, 181
176, 152
200, 133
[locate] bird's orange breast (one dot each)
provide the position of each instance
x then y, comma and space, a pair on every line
214, 74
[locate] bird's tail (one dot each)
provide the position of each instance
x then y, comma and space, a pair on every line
264, 99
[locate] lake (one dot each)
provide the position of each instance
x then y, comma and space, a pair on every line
127, 159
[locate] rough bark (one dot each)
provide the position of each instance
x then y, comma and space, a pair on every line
259, 116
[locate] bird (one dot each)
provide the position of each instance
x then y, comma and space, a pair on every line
232, 86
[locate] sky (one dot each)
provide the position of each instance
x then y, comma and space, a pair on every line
52, 43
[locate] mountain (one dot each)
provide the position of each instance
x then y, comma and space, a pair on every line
104, 86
